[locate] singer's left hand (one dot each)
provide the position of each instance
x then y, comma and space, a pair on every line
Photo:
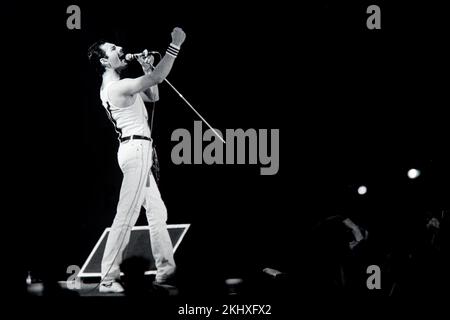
146, 62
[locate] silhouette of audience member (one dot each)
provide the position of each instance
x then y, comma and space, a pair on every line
134, 280
334, 252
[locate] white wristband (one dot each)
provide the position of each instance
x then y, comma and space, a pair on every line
172, 50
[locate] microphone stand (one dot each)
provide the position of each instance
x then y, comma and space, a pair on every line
187, 102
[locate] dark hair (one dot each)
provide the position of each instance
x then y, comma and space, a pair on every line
95, 53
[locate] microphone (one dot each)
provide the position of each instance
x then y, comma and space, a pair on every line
134, 56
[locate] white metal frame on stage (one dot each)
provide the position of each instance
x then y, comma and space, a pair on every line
83, 274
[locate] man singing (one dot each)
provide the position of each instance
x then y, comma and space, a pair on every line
123, 99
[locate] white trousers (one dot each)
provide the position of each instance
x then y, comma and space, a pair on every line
138, 189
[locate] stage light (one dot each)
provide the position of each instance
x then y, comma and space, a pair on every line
234, 285
413, 173
272, 272
362, 190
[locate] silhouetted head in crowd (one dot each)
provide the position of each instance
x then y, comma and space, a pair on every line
134, 279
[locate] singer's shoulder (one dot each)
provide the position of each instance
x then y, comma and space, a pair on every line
121, 87
108, 85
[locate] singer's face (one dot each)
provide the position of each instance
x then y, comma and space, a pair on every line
116, 57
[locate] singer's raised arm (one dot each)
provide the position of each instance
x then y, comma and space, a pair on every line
132, 86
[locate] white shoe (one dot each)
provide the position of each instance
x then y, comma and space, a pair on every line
111, 287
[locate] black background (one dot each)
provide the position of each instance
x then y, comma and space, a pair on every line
354, 106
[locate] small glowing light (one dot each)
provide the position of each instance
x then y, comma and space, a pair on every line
413, 173
233, 281
234, 285
362, 190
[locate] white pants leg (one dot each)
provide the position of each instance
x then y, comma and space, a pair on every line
135, 162
162, 248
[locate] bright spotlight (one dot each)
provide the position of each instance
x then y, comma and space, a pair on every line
413, 173
362, 190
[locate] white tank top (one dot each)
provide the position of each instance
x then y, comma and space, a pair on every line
127, 121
